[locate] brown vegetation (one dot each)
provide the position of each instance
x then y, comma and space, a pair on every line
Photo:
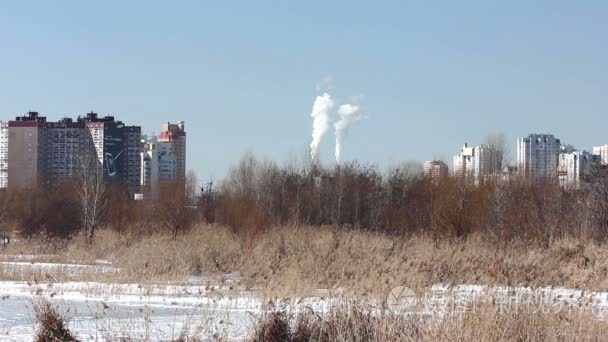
298, 260
401, 201
257, 195
51, 326
360, 324
350, 321
294, 228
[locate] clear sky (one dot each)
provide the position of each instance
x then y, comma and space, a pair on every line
242, 74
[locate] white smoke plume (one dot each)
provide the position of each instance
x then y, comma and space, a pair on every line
349, 114
320, 124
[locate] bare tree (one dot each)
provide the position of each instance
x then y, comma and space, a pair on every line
208, 202
4, 214
4, 206
91, 194
172, 209
597, 201
191, 187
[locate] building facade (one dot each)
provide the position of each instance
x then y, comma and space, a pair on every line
63, 145
163, 160
172, 152
167, 163
537, 157
573, 166
25, 151
478, 162
3, 155
116, 148
42, 152
435, 169
150, 169
602, 152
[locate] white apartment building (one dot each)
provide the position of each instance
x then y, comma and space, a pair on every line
167, 162
163, 159
478, 162
172, 152
537, 157
573, 165
3, 155
150, 168
602, 152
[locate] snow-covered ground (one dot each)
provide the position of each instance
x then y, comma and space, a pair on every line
206, 306
96, 310
442, 298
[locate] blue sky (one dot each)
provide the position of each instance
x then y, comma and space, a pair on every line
242, 74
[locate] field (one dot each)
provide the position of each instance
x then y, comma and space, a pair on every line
212, 283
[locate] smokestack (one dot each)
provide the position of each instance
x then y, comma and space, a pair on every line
320, 124
348, 115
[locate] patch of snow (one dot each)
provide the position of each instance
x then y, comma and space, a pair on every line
103, 262
98, 311
17, 267
25, 257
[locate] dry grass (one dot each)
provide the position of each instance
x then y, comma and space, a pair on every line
273, 328
349, 321
51, 326
298, 260
360, 324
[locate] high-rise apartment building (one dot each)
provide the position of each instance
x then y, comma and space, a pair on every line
3, 155
117, 149
435, 169
25, 151
163, 160
573, 166
172, 152
602, 152
63, 146
478, 162
167, 163
150, 169
42, 152
537, 157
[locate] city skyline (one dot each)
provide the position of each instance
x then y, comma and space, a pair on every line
509, 156
35, 152
243, 76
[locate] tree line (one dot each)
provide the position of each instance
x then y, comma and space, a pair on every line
259, 194
81, 206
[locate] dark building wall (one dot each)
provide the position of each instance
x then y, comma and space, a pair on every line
132, 158
121, 151
25, 157
63, 146
113, 152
